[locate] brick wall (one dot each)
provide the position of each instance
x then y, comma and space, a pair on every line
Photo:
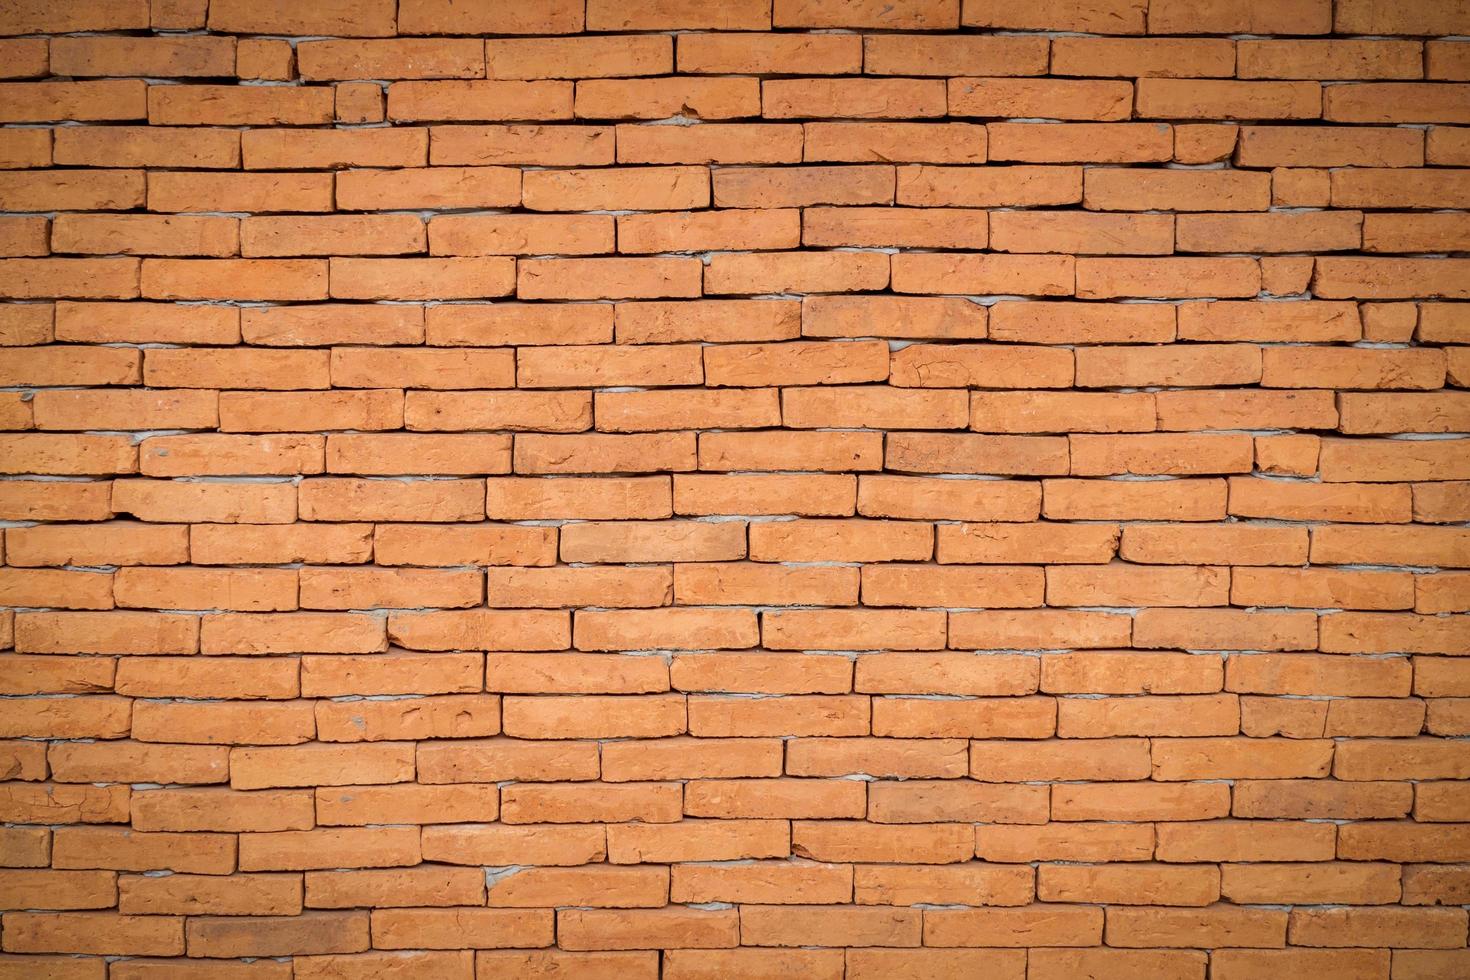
707, 489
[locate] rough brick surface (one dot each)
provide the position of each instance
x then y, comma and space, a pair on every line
692, 489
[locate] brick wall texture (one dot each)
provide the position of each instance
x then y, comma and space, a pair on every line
719, 489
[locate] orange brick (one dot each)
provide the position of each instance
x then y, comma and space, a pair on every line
1050, 629
937, 843
989, 187
436, 278
1361, 503
1136, 884
1168, 98
311, 932
852, 98
320, 765
1062, 926
423, 187
944, 758
683, 629
796, 272
1223, 925
940, 499
608, 278
1151, 57
785, 798
710, 142
215, 809
530, 498
482, 145
1389, 102
1233, 629
1113, 142
579, 586
808, 494
698, 840
360, 499
1098, 234
480, 630
573, 717
891, 54
813, 715
1119, 190
979, 274
726, 583
1235, 964
894, 316
782, 926
135, 761
1296, 17
616, 929
618, 887
876, 142
469, 101
770, 54
574, 673
692, 758
661, 98
582, 57
917, 585
876, 227
95, 932
722, 229
1064, 99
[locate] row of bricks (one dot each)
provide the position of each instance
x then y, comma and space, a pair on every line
765, 366
336, 587
624, 56
1023, 542
481, 154
448, 793
919, 189
710, 840
1053, 963
476, 715
1289, 774
82, 881
473, 454
1179, 847
733, 97
733, 628
608, 499
689, 628
1145, 451
1116, 672
230, 454
756, 963
1085, 233
772, 882
1294, 767
682, 321
382, 18
840, 716
775, 882
340, 499
730, 273
716, 716
182, 400
683, 929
